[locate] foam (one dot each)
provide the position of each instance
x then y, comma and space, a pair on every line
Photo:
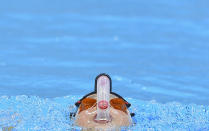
38, 114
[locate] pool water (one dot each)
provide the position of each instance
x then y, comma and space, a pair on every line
155, 51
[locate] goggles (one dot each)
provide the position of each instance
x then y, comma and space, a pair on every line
116, 103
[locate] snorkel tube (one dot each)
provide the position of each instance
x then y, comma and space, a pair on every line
103, 98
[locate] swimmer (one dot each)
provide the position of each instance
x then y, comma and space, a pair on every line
102, 109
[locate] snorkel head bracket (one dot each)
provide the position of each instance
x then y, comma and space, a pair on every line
77, 104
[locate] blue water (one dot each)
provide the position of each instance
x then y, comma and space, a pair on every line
155, 51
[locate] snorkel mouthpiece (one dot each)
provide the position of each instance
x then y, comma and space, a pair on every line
103, 98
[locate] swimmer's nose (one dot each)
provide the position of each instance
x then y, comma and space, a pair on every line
103, 98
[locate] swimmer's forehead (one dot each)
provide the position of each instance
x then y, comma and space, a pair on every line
94, 96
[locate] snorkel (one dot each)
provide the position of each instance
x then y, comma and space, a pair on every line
103, 99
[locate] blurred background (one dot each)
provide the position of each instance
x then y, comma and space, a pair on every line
153, 50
